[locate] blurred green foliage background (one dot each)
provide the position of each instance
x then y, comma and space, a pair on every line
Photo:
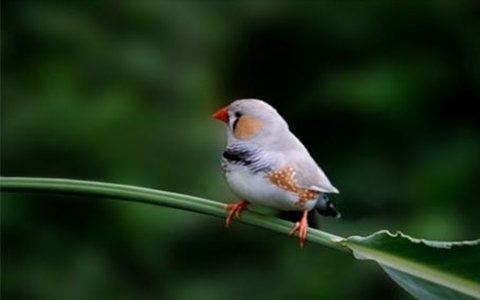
385, 96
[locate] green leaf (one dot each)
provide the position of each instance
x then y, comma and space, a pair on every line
426, 269
160, 198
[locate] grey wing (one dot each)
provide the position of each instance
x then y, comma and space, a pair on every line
309, 174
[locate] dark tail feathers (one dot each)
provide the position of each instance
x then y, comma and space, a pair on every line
325, 207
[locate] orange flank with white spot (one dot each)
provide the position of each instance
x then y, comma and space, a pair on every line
285, 179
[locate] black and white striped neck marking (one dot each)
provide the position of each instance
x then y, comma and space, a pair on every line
245, 157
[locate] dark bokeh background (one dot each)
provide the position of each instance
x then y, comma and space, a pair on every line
385, 96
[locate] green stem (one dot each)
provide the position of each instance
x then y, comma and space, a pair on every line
156, 197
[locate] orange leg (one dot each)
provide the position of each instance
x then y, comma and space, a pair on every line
302, 228
235, 209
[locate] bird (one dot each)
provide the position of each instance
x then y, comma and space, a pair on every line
264, 163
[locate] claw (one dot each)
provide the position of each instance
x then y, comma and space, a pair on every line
235, 209
302, 228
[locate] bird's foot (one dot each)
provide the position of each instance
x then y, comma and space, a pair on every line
302, 228
235, 209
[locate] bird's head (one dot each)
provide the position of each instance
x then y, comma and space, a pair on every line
252, 120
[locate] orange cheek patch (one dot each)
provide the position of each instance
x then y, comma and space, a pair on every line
285, 179
247, 127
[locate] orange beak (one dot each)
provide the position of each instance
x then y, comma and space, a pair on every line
222, 114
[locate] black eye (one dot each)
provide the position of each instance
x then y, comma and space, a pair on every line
237, 116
